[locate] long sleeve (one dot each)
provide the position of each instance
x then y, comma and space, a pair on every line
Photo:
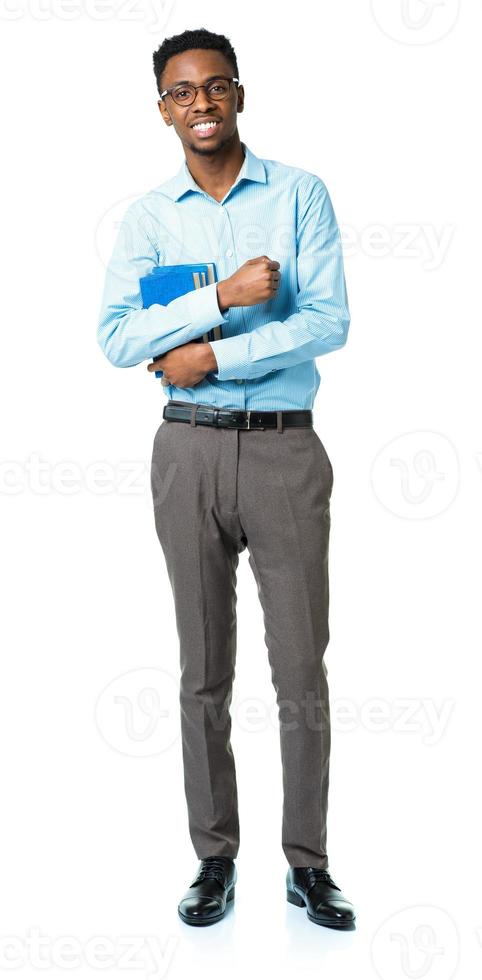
322, 321
129, 334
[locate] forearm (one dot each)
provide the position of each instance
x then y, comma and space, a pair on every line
280, 344
128, 336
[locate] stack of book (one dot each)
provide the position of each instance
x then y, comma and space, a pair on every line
167, 282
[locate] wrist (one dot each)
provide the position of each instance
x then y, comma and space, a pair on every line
223, 300
209, 360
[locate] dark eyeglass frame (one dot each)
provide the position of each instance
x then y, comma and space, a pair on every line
224, 78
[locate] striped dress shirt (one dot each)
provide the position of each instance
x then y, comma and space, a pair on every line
266, 359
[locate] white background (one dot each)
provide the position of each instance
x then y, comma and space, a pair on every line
381, 100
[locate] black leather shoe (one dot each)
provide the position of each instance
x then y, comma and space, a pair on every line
206, 898
325, 903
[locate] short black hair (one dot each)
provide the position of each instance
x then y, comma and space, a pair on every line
200, 38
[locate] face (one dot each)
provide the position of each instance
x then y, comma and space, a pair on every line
197, 66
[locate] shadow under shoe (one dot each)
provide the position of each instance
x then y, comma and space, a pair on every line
325, 903
213, 887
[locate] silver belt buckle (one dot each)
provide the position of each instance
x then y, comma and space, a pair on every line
249, 417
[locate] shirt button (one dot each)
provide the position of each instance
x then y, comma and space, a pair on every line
229, 252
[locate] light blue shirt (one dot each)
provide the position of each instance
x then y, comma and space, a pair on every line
266, 359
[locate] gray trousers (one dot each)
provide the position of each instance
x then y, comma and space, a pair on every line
217, 491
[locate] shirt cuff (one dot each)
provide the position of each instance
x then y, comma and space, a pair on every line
231, 357
204, 312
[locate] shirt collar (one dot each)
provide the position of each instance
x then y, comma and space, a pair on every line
252, 169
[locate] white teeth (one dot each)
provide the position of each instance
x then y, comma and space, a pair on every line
205, 125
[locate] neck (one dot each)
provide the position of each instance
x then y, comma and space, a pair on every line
216, 171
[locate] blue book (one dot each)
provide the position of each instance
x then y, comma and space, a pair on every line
166, 282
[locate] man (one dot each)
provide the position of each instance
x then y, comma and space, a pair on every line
236, 462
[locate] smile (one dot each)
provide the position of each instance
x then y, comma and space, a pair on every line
205, 129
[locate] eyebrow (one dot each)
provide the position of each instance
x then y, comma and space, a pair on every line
185, 81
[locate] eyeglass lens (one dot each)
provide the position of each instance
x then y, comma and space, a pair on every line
217, 89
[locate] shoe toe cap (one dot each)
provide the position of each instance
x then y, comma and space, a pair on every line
337, 911
201, 907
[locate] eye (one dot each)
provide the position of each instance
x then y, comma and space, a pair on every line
219, 88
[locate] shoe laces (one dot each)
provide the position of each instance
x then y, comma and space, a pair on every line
314, 875
211, 867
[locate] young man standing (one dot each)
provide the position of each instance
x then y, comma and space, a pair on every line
249, 470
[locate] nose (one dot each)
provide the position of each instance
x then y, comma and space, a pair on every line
201, 99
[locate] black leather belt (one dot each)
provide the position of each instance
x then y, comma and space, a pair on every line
234, 418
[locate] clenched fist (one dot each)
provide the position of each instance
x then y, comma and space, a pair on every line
254, 282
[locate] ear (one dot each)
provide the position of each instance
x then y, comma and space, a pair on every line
164, 112
240, 92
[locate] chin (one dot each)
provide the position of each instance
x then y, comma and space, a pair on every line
198, 146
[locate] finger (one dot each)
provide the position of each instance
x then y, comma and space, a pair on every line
270, 263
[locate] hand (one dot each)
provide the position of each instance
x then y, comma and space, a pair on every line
186, 365
254, 282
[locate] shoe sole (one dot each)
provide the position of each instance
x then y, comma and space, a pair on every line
209, 920
296, 899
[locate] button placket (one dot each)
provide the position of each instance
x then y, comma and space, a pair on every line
227, 250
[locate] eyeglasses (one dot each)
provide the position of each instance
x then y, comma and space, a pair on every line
217, 89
